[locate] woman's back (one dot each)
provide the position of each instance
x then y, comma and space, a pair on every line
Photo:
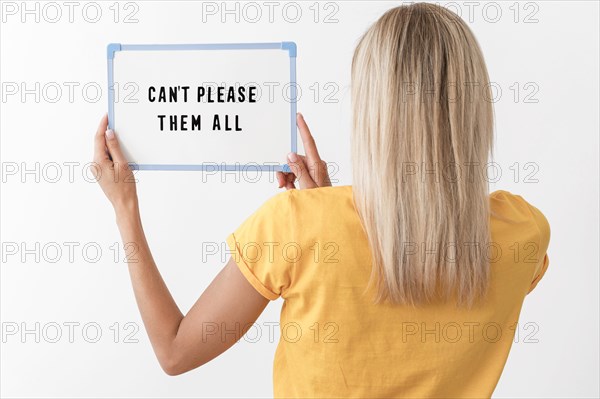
335, 341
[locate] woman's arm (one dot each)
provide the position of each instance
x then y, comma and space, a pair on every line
182, 343
230, 303
218, 319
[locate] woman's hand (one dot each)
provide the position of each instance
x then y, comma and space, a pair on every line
310, 170
112, 171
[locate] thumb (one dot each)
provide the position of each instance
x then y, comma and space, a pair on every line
299, 169
114, 149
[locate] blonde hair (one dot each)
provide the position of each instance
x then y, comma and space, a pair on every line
421, 135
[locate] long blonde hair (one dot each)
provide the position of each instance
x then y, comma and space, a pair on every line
422, 135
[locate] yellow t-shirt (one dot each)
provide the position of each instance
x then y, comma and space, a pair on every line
308, 247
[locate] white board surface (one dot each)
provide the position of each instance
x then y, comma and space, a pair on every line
183, 108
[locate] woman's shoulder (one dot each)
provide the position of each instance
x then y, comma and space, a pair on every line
320, 202
508, 207
313, 196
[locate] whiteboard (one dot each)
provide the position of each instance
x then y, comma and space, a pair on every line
229, 106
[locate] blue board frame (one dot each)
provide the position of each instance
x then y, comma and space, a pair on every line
290, 47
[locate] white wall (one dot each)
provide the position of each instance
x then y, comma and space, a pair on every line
553, 59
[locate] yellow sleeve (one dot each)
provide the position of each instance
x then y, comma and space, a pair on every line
544, 229
263, 246
540, 271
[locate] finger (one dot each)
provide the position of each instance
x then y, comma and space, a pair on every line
317, 171
281, 180
114, 149
321, 176
286, 180
298, 167
290, 179
307, 140
100, 151
290, 185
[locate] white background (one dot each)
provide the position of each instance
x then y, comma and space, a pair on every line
553, 124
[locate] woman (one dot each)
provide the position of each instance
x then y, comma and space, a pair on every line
408, 283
